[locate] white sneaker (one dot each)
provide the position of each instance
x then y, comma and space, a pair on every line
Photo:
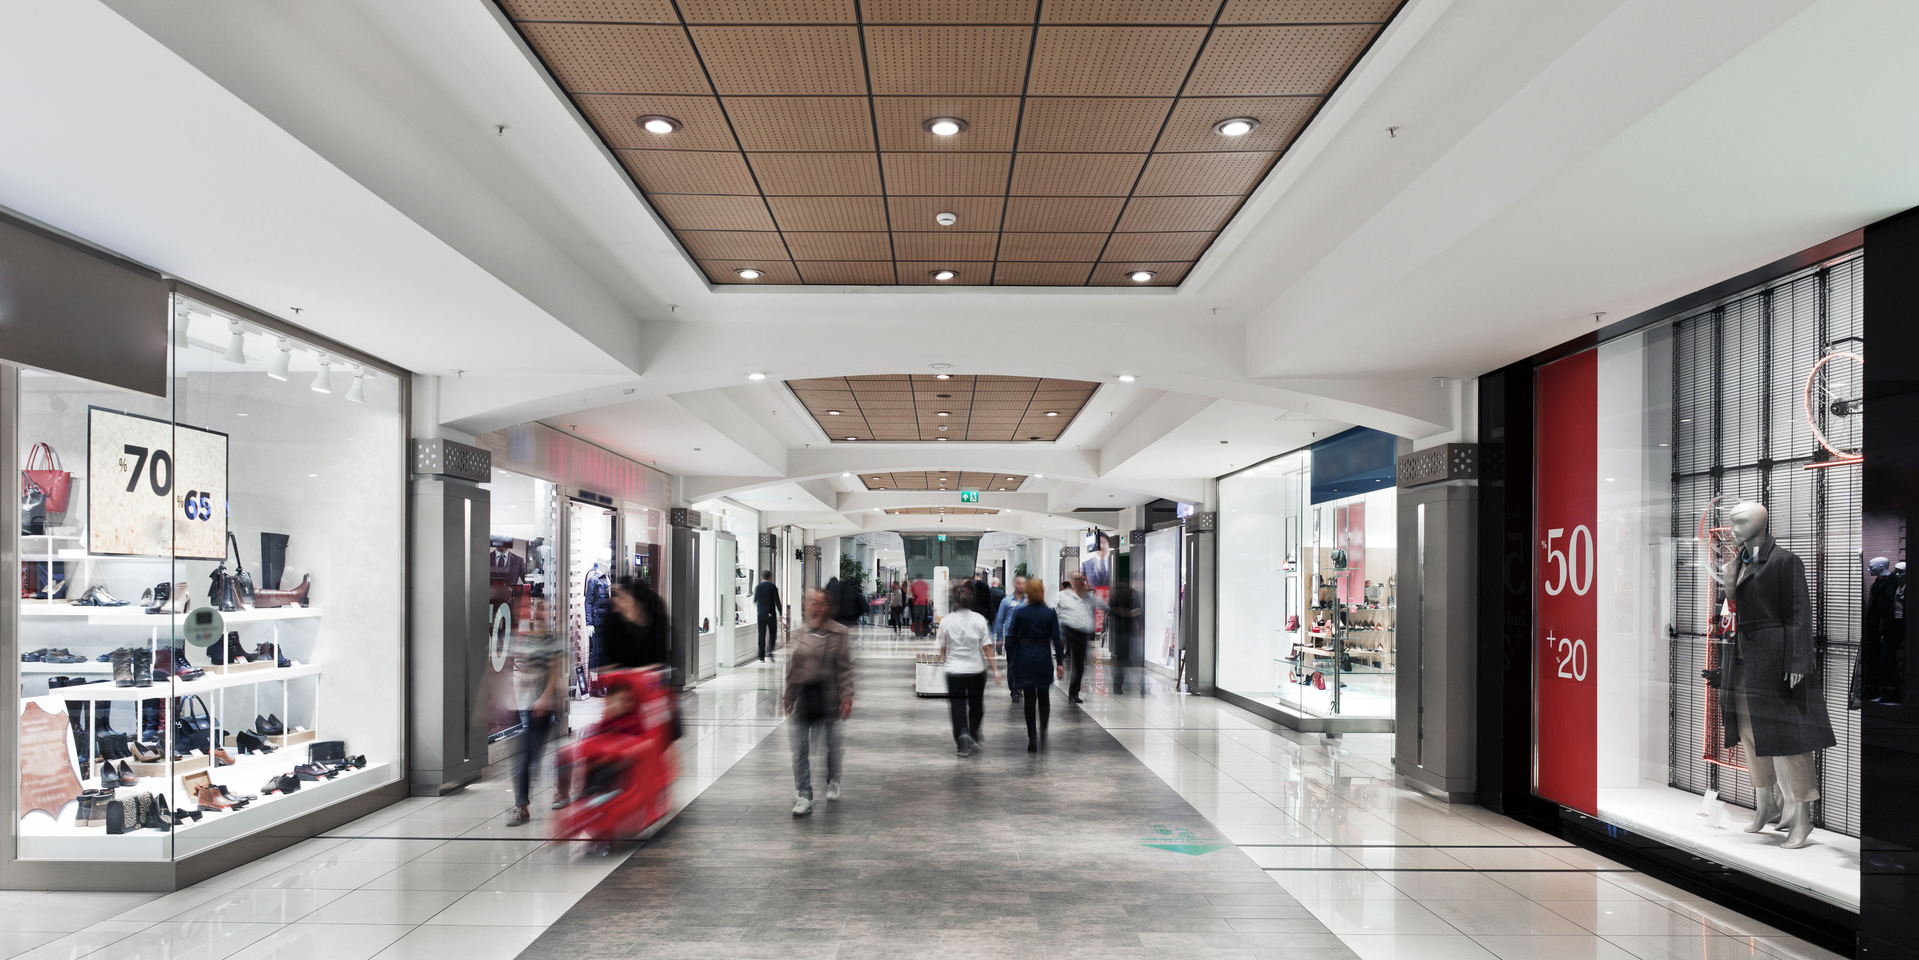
802, 806
832, 789
966, 745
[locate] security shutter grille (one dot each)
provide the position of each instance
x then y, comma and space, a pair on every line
1740, 433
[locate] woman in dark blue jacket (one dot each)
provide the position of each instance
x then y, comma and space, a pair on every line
1031, 636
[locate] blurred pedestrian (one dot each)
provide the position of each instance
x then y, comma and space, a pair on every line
636, 632
966, 644
818, 694
1035, 656
896, 602
1001, 620
1077, 607
766, 597
918, 592
539, 658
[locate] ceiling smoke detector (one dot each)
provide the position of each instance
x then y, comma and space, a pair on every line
946, 219
945, 126
654, 123
1235, 126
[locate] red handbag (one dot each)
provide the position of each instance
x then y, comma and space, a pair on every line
52, 481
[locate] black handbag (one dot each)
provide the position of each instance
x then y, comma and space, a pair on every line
192, 730
326, 751
231, 591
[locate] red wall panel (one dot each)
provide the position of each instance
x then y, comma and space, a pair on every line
1566, 621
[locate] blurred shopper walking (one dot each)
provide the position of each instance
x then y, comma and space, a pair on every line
539, 657
1077, 608
966, 644
637, 632
918, 593
819, 694
766, 597
1004, 618
896, 602
1035, 656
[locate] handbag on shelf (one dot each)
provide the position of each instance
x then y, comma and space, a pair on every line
231, 591
33, 509
326, 751
194, 730
54, 483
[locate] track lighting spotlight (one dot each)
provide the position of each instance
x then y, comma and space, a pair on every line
236, 343
322, 381
281, 361
357, 392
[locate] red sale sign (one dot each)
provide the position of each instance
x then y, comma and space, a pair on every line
1565, 608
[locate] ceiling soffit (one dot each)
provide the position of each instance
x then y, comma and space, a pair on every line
917, 408
943, 480
943, 511
800, 155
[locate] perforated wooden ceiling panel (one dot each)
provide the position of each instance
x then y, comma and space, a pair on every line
943, 511
792, 137
923, 408
952, 479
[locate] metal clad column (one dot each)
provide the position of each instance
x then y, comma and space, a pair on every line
684, 604
448, 631
1437, 653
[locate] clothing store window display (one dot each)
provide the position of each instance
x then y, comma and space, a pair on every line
966, 644
1771, 710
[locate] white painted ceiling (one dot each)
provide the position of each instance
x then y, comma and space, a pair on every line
407, 176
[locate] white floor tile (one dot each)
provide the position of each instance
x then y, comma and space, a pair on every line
381, 850
73, 946
323, 875
256, 905
502, 852
506, 909
319, 941
550, 877
66, 912
196, 939
1508, 918
1554, 948
1416, 947
461, 943
406, 907
425, 875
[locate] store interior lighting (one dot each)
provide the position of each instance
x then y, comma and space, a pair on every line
236, 343
357, 392
322, 382
282, 361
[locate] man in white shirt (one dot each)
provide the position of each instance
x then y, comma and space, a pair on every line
1076, 622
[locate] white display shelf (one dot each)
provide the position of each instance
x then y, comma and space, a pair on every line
90, 668
44, 838
1828, 869
162, 688
132, 616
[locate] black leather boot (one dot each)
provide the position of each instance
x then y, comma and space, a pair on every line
143, 668
123, 668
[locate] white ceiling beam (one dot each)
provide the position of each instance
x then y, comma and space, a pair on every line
866, 501
720, 412
1168, 413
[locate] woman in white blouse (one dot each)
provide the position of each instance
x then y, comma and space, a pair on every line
966, 644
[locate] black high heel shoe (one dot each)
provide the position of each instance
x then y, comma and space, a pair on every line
109, 777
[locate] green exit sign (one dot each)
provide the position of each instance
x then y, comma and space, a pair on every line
969, 496
942, 538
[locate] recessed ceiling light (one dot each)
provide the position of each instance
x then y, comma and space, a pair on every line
942, 376
1236, 126
1039, 476
1032, 438
942, 413
942, 440
945, 126
1127, 378
1002, 488
942, 274
1052, 413
1141, 276
748, 273
654, 123
832, 413
852, 438
845, 474
756, 376
942, 396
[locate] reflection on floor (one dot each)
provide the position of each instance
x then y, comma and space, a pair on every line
1391, 873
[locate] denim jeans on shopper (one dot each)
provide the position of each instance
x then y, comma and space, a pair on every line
802, 733
533, 731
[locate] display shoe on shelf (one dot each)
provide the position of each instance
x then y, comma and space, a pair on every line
123, 667
249, 742
154, 599
99, 597
145, 754
235, 652
263, 599
221, 758
269, 726
83, 809
109, 776
127, 777
143, 668
34, 656
62, 656
236, 799
313, 771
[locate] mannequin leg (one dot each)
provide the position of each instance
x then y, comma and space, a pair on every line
1798, 780
1766, 805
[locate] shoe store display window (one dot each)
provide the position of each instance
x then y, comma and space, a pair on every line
1308, 585
1708, 621
210, 622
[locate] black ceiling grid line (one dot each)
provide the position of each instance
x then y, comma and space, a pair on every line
720, 103
1204, 42
1012, 162
879, 160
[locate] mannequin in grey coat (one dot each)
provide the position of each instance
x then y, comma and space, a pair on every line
1773, 706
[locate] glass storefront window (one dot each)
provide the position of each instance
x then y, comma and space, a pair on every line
1307, 593
521, 568
212, 588
1700, 582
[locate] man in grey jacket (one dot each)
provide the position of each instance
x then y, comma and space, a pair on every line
819, 694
